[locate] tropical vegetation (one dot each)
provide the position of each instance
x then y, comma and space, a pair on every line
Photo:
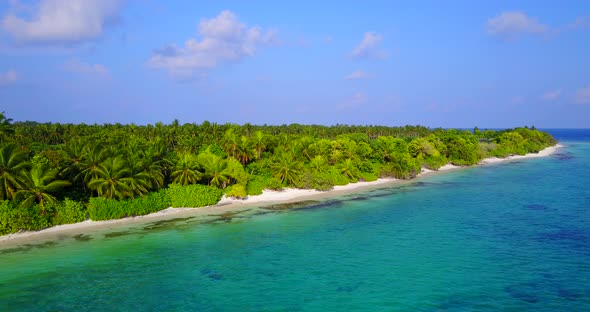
52, 173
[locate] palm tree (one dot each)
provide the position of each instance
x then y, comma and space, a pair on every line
6, 127
302, 147
286, 168
141, 181
186, 170
218, 173
74, 150
259, 141
12, 161
215, 168
349, 169
318, 164
92, 156
38, 183
321, 147
245, 150
154, 163
230, 143
113, 179
54, 133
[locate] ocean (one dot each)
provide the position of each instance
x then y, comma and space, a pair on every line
512, 236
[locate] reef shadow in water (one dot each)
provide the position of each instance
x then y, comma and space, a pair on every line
119, 234
28, 247
537, 207
82, 238
305, 205
357, 198
165, 224
535, 291
563, 156
528, 292
212, 275
349, 288
572, 238
227, 216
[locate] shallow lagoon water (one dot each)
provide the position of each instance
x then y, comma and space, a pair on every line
511, 237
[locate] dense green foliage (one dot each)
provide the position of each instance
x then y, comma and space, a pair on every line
194, 195
67, 212
63, 173
101, 208
14, 219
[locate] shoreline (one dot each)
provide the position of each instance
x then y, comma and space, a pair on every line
230, 205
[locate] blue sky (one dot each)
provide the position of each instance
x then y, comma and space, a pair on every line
433, 63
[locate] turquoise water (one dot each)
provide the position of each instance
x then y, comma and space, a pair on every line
507, 237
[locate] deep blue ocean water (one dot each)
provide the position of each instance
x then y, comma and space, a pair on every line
506, 237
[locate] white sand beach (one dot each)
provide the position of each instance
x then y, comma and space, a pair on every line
226, 205
545, 152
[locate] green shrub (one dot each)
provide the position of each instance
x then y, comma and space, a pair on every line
463, 151
499, 152
335, 177
434, 162
318, 181
368, 177
68, 211
257, 184
236, 191
195, 195
14, 218
100, 208
275, 184
6, 221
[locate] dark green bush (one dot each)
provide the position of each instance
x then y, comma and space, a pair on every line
335, 177
14, 218
6, 220
150, 203
100, 208
320, 182
434, 162
195, 195
317, 181
368, 177
236, 191
275, 184
67, 212
257, 184
403, 166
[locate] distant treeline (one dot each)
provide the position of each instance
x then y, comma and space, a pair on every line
55, 173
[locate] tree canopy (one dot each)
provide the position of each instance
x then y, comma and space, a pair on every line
46, 167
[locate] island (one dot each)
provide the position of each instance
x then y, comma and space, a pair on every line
54, 174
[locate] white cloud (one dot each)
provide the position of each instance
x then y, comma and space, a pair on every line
359, 74
582, 96
509, 25
370, 47
580, 23
358, 99
76, 66
8, 77
62, 21
552, 95
223, 39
